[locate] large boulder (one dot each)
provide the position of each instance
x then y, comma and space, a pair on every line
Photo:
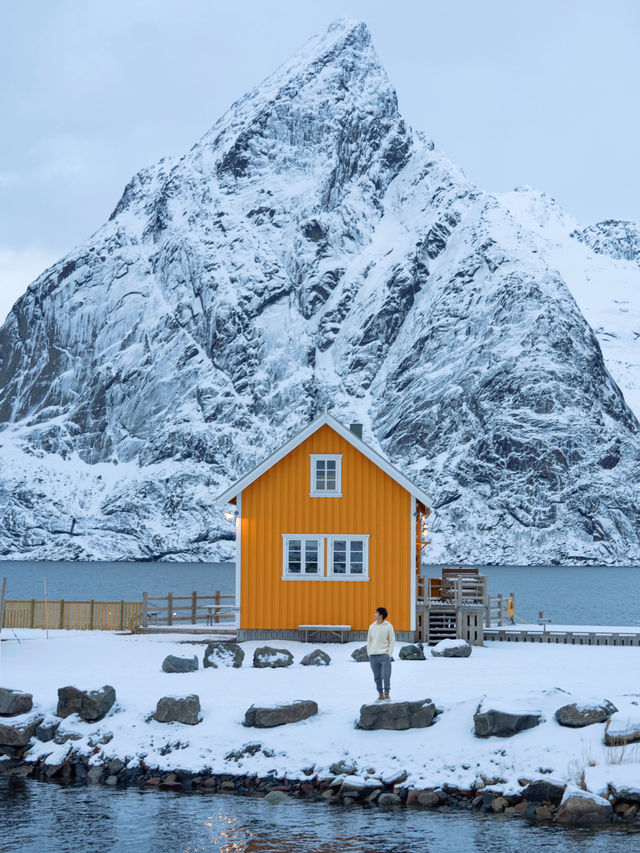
581, 808
451, 649
178, 709
579, 714
91, 705
397, 716
266, 717
223, 654
622, 728
316, 658
360, 655
172, 663
496, 722
266, 657
14, 702
544, 791
412, 652
18, 734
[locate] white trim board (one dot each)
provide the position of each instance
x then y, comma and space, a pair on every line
301, 436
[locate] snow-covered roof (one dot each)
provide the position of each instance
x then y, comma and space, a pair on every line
322, 420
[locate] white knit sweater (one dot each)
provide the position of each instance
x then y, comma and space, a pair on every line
381, 639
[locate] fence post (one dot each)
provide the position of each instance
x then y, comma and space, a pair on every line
91, 609
145, 609
122, 615
170, 608
216, 613
194, 607
3, 590
500, 609
32, 619
61, 620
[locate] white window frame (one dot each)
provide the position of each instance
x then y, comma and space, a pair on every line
303, 576
324, 493
350, 537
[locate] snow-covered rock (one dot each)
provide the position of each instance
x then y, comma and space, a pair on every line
451, 649
579, 714
268, 658
311, 251
582, 808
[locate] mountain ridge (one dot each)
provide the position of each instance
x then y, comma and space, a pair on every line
311, 251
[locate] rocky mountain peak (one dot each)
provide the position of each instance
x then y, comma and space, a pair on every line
311, 251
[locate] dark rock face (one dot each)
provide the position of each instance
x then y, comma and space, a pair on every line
217, 285
18, 735
266, 657
223, 654
584, 809
91, 705
613, 237
397, 716
544, 791
279, 715
411, 652
316, 658
46, 731
495, 723
451, 649
172, 663
14, 702
577, 715
178, 709
360, 655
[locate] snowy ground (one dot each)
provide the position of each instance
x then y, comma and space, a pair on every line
534, 676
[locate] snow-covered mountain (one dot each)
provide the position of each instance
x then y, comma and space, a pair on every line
311, 251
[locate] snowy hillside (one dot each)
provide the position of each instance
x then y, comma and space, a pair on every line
311, 251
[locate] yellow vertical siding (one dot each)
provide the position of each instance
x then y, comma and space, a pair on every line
372, 503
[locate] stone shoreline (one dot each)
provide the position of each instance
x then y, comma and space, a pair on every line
540, 800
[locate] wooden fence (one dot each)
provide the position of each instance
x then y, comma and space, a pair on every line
170, 609
78, 615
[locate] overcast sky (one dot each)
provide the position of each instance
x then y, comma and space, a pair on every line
540, 92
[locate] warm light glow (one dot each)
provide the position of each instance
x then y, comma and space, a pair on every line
229, 515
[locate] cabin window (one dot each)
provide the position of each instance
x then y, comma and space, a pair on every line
303, 557
348, 557
326, 476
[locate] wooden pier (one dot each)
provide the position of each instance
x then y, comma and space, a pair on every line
458, 606
573, 635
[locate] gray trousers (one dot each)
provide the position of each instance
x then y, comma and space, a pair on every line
381, 666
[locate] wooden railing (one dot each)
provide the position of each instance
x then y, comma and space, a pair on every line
170, 609
73, 615
496, 612
454, 589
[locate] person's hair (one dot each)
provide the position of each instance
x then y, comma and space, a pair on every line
382, 611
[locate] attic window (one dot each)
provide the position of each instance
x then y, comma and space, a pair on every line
326, 476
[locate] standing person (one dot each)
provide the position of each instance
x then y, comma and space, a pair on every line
380, 642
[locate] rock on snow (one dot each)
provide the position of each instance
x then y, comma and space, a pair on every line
312, 251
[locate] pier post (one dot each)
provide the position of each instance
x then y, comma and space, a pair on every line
145, 609
170, 608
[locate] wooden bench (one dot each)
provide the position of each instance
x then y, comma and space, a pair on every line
338, 631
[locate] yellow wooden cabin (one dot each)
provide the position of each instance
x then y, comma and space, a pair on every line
326, 531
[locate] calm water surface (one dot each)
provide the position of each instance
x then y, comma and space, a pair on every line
580, 595
37, 817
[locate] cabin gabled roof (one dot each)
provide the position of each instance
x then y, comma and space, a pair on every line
234, 490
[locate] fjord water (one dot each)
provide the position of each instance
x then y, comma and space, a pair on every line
38, 817
577, 595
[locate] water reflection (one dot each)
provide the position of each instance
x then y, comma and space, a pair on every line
46, 818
